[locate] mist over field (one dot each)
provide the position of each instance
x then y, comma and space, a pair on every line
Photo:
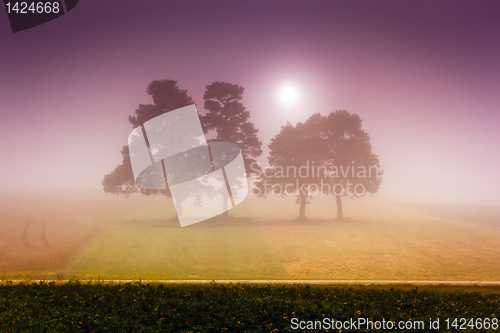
92, 235
409, 88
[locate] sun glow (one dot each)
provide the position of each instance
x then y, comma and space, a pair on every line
289, 94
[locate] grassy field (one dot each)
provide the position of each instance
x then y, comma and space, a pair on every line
138, 238
156, 250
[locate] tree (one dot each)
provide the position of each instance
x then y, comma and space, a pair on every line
355, 169
167, 96
226, 115
230, 120
325, 154
293, 154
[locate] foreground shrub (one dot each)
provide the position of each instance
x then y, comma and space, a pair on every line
137, 307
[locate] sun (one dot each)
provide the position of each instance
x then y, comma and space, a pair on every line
289, 94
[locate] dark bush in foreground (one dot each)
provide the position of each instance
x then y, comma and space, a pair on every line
136, 307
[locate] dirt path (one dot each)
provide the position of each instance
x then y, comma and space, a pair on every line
320, 282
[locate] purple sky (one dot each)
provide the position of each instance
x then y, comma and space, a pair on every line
423, 75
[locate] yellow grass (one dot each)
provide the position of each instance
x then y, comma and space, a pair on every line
114, 237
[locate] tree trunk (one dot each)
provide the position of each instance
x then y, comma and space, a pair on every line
302, 209
340, 216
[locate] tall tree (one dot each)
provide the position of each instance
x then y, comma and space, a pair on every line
356, 170
167, 96
230, 119
329, 155
293, 154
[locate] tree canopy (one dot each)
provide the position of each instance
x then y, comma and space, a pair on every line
230, 119
167, 96
330, 155
225, 115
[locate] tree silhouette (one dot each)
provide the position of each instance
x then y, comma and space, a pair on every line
349, 154
322, 155
293, 152
229, 118
226, 115
167, 96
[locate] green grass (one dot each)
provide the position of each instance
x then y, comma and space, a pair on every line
136, 307
393, 244
158, 250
